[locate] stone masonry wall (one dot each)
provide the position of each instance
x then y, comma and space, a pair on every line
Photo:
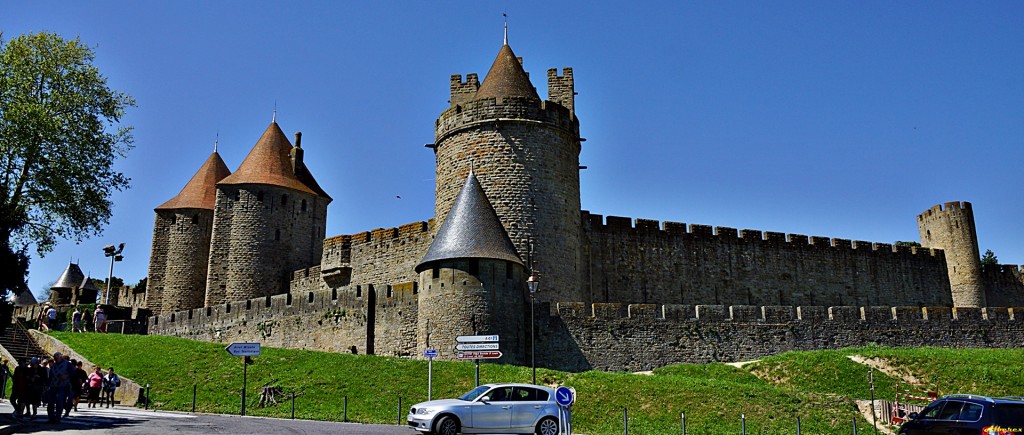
188, 249
158, 261
334, 321
950, 227
261, 235
616, 337
1004, 285
525, 154
670, 264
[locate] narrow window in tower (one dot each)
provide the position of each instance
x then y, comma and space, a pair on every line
508, 270
174, 219
195, 219
436, 272
415, 288
359, 291
277, 234
284, 199
474, 267
238, 195
259, 196
390, 293
303, 205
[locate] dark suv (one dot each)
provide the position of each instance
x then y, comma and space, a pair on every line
961, 414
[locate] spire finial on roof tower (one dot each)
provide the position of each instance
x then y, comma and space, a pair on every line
273, 119
505, 41
216, 141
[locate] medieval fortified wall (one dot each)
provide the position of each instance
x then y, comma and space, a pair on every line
243, 257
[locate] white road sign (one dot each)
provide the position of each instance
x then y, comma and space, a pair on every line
477, 346
477, 338
243, 349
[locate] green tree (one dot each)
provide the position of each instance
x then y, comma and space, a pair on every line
989, 259
59, 138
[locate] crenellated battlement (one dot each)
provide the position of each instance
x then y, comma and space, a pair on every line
463, 91
652, 228
562, 89
941, 211
785, 314
487, 110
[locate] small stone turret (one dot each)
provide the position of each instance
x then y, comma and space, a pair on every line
952, 230
472, 281
526, 157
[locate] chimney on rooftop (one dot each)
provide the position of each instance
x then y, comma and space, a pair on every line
296, 154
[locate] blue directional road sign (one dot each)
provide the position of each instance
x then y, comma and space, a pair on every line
565, 396
430, 353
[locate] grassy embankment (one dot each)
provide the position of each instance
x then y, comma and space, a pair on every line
819, 387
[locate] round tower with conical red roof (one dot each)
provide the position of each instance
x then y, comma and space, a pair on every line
181, 242
269, 221
525, 151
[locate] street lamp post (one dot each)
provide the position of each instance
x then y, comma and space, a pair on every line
534, 285
115, 255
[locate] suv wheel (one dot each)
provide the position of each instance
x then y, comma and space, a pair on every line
447, 425
547, 426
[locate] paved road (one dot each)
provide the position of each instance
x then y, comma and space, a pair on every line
124, 420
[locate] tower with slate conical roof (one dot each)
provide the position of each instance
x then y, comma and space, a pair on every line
269, 221
526, 156
472, 280
62, 291
181, 242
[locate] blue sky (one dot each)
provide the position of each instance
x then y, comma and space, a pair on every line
837, 119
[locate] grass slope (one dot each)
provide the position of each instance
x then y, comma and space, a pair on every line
819, 387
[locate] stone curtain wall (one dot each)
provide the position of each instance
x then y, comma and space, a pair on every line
1004, 285
670, 264
617, 337
333, 321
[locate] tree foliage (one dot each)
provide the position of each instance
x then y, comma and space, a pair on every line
59, 139
989, 259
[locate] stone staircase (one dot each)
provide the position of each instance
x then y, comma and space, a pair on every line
19, 344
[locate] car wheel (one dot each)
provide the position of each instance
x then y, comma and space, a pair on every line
447, 425
547, 426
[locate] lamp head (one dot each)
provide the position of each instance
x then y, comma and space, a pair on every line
533, 283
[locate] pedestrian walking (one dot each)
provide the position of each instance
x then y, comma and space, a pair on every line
38, 380
86, 320
110, 383
76, 320
60, 387
100, 318
95, 384
20, 386
41, 319
51, 319
78, 382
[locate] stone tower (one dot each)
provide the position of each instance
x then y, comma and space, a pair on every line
268, 222
526, 156
472, 281
952, 230
181, 242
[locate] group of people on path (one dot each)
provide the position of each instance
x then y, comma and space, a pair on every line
59, 383
80, 319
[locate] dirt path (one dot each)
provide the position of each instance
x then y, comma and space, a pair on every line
864, 406
882, 366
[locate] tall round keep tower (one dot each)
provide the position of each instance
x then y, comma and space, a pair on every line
525, 153
472, 281
269, 222
952, 230
181, 242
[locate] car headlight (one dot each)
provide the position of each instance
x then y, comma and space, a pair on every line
424, 411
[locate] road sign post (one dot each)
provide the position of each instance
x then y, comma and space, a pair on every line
244, 350
430, 354
565, 397
477, 347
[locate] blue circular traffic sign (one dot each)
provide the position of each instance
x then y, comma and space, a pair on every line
565, 396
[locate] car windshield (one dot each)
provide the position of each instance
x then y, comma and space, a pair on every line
474, 393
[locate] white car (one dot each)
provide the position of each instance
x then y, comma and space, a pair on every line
490, 409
